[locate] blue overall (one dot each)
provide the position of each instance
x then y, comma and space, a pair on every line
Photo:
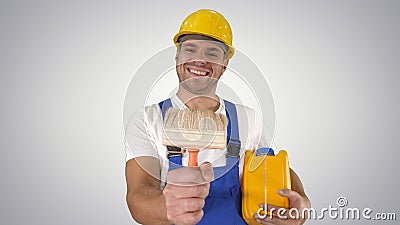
224, 201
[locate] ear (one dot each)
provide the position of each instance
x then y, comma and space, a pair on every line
177, 54
226, 61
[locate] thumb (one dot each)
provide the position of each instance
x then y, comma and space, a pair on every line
291, 195
207, 171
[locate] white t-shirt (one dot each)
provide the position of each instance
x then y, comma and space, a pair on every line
144, 136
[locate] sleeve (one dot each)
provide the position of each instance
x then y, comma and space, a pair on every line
139, 140
265, 136
253, 132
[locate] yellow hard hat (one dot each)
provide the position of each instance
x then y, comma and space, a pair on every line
209, 23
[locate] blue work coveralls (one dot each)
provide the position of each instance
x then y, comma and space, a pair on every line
224, 201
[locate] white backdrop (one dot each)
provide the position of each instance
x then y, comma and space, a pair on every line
333, 68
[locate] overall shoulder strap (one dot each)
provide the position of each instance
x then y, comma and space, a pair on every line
164, 106
174, 154
233, 145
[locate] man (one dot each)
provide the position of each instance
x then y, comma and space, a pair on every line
161, 190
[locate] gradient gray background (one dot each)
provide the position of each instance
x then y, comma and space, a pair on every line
65, 66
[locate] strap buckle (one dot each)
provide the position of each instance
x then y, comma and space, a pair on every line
265, 151
173, 151
233, 148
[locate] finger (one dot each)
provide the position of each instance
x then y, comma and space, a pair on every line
291, 195
279, 213
189, 218
185, 176
261, 221
195, 191
274, 210
187, 205
207, 172
269, 207
277, 221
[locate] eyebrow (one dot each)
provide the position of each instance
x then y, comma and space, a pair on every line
189, 45
215, 49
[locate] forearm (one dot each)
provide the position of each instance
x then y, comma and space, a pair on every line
147, 205
296, 184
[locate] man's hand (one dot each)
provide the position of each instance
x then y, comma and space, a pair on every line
185, 193
295, 201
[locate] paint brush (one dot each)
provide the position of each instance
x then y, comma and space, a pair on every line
194, 130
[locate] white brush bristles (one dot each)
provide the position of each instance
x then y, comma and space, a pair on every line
194, 128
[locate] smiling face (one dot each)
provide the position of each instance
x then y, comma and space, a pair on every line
199, 65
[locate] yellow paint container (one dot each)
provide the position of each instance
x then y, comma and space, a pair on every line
263, 176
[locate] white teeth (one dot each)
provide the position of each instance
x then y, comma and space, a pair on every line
197, 72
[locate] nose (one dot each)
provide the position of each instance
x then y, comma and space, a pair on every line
199, 62
199, 57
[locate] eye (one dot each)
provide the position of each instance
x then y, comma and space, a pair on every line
189, 50
215, 55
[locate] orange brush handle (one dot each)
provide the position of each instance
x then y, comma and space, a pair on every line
193, 154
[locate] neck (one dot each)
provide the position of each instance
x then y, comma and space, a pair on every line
209, 101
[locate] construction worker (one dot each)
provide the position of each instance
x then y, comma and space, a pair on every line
161, 189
